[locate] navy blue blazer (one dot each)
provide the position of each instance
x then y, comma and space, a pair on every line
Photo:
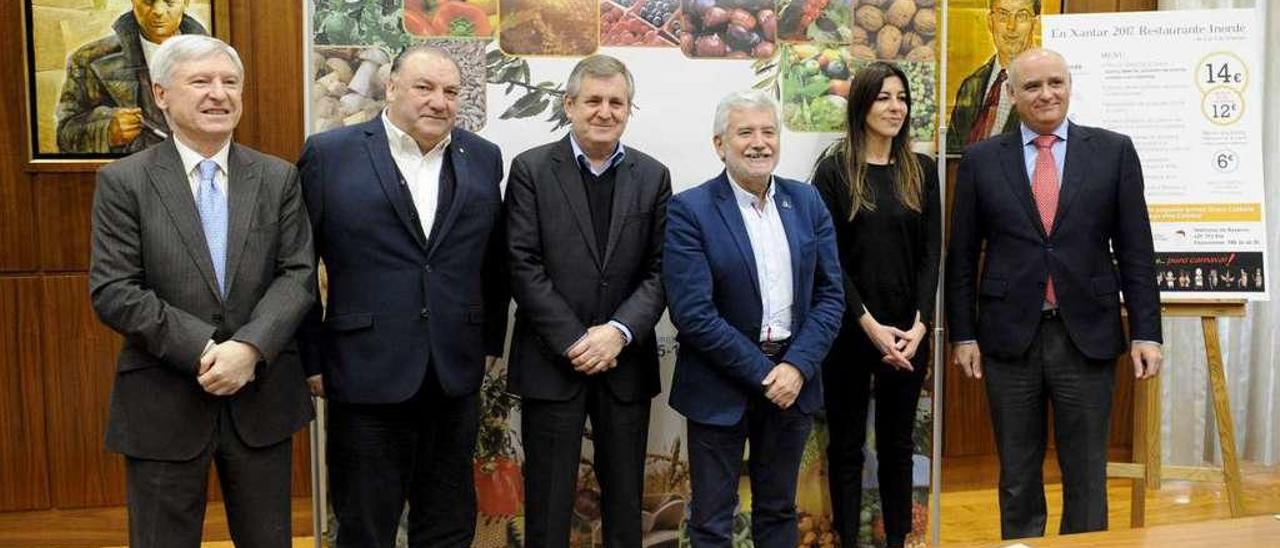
398, 305
714, 298
1100, 246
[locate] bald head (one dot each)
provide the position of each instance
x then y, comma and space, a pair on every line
1040, 84
1035, 55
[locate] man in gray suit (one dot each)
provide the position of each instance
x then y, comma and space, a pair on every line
202, 259
585, 219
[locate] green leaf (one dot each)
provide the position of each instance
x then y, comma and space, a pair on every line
816, 88
524, 107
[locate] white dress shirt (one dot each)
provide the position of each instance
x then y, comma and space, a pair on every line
418, 170
773, 259
191, 166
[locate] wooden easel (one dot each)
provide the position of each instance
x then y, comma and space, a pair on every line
1147, 468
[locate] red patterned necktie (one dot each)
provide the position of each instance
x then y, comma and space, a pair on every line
987, 116
1044, 185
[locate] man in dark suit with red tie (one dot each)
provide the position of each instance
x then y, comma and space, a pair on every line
1060, 209
982, 109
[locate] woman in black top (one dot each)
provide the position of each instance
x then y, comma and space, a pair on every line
884, 201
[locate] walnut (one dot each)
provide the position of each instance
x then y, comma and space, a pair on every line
920, 53
858, 36
900, 13
864, 53
888, 42
926, 22
910, 41
869, 17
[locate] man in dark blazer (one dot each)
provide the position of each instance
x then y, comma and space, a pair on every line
407, 216
201, 258
1060, 210
980, 99
756, 293
585, 222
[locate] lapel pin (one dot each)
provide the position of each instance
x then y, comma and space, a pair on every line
786, 203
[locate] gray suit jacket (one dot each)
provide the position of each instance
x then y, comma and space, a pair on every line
151, 280
561, 283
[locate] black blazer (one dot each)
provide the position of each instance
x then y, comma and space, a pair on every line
1100, 246
151, 280
398, 304
559, 280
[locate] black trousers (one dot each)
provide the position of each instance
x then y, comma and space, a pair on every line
166, 500
777, 437
1052, 371
850, 374
552, 435
419, 451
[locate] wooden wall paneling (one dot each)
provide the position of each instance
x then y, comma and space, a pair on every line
17, 221
64, 202
1137, 5
24, 475
1107, 6
1088, 6
79, 365
301, 475
268, 36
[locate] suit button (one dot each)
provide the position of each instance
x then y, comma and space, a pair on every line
604, 284
217, 318
426, 267
423, 313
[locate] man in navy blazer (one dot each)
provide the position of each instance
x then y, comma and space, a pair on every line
754, 287
1061, 211
407, 216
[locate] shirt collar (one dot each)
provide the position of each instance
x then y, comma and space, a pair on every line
580, 155
996, 67
191, 159
747, 199
1029, 135
404, 143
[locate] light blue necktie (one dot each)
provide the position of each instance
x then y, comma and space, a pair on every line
213, 215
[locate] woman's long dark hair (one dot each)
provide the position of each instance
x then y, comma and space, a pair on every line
864, 87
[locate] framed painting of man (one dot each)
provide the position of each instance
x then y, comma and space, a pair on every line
88, 85
984, 36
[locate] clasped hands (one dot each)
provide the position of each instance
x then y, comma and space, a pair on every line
597, 351
226, 367
896, 346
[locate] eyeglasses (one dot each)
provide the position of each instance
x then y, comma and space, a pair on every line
1003, 16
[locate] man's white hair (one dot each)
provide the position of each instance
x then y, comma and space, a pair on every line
750, 100
188, 47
